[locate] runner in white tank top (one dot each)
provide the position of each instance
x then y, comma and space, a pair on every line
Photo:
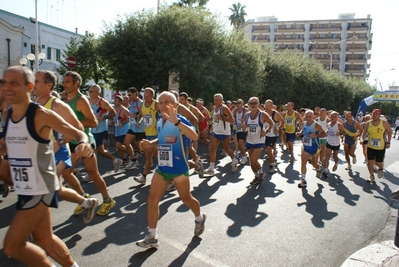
334, 131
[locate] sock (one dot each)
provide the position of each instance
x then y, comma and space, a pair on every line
199, 218
107, 200
85, 203
260, 172
303, 177
75, 264
212, 165
115, 160
152, 231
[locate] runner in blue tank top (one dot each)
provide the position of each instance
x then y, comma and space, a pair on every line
174, 135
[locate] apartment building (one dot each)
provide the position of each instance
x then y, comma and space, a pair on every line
342, 44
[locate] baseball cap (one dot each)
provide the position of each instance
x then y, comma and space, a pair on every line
199, 100
118, 96
228, 102
323, 109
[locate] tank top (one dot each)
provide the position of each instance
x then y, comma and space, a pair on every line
290, 123
254, 129
306, 140
204, 123
172, 147
351, 128
80, 117
332, 138
220, 127
31, 158
273, 132
99, 112
149, 118
238, 117
125, 124
135, 107
376, 136
323, 125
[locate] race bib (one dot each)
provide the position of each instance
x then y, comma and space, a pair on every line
288, 121
215, 119
331, 133
307, 141
23, 174
147, 120
252, 129
165, 156
375, 143
132, 120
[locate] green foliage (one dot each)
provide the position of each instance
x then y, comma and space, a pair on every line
237, 18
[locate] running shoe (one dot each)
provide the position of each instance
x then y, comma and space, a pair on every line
395, 195
4, 190
255, 181
380, 173
349, 167
200, 226
79, 209
234, 166
302, 183
86, 178
209, 172
371, 179
318, 173
354, 160
106, 207
140, 179
200, 169
149, 241
117, 165
132, 165
89, 212
261, 176
244, 160
335, 167
171, 187
292, 159
325, 173
272, 168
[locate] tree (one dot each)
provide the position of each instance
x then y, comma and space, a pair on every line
237, 18
191, 3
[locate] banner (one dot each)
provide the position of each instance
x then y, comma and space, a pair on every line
386, 96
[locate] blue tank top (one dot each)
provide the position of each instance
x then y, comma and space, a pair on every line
99, 112
172, 147
306, 140
135, 108
125, 126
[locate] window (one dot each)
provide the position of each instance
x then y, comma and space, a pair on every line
287, 36
288, 26
25, 44
53, 54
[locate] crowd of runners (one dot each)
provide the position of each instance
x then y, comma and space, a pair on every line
44, 140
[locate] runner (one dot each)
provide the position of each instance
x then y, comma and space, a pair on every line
221, 133
257, 123
334, 130
136, 132
379, 139
353, 130
311, 132
291, 118
27, 139
240, 135
174, 136
323, 120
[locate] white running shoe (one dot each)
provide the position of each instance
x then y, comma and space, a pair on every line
380, 173
132, 165
86, 178
244, 160
171, 187
234, 165
117, 165
209, 172
140, 179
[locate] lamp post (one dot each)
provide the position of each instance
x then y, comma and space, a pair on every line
158, 7
376, 79
332, 47
31, 57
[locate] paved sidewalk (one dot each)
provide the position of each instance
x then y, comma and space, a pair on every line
379, 254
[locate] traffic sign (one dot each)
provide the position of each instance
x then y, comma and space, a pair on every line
71, 62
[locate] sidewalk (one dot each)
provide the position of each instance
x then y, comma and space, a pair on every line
379, 254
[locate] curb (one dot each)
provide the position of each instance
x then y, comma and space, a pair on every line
373, 255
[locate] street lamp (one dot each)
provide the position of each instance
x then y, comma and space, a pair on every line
31, 57
376, 79
332, 47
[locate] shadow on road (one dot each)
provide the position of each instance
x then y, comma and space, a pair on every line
337, 185
179, 261
317, 206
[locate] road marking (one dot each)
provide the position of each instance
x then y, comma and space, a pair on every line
394, 167
196, 254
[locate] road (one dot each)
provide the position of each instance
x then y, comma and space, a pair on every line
274, 224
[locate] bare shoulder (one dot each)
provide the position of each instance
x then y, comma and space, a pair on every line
61, 107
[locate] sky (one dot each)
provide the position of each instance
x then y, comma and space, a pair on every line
90, 15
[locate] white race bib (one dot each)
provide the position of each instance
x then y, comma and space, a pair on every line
23, 174
252, 129
147, 120
288, 121
165, 155
375, 142
307, 141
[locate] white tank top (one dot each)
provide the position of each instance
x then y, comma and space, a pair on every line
332, 138
254, 129
238, 118
323, 125
31, 158
220, 127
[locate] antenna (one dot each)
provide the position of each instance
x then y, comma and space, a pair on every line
381, 86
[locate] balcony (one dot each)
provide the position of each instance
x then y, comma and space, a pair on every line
293, 30
261, 30
262, 41
355, 60
357, 49
324, 40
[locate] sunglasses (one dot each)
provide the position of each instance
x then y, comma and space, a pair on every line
253, 103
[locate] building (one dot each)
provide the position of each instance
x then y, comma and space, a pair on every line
347, 39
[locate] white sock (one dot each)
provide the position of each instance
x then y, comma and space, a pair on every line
152, 231
115, 160
199, 218
303, 177
85, 203
75, 264
212, 165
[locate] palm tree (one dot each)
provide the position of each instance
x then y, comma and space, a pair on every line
237, 18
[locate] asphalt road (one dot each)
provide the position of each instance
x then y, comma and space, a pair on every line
274, 224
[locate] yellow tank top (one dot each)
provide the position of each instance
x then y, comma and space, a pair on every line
376, 136
290, 123
149, 117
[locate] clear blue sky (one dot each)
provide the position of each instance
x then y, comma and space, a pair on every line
90, 14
